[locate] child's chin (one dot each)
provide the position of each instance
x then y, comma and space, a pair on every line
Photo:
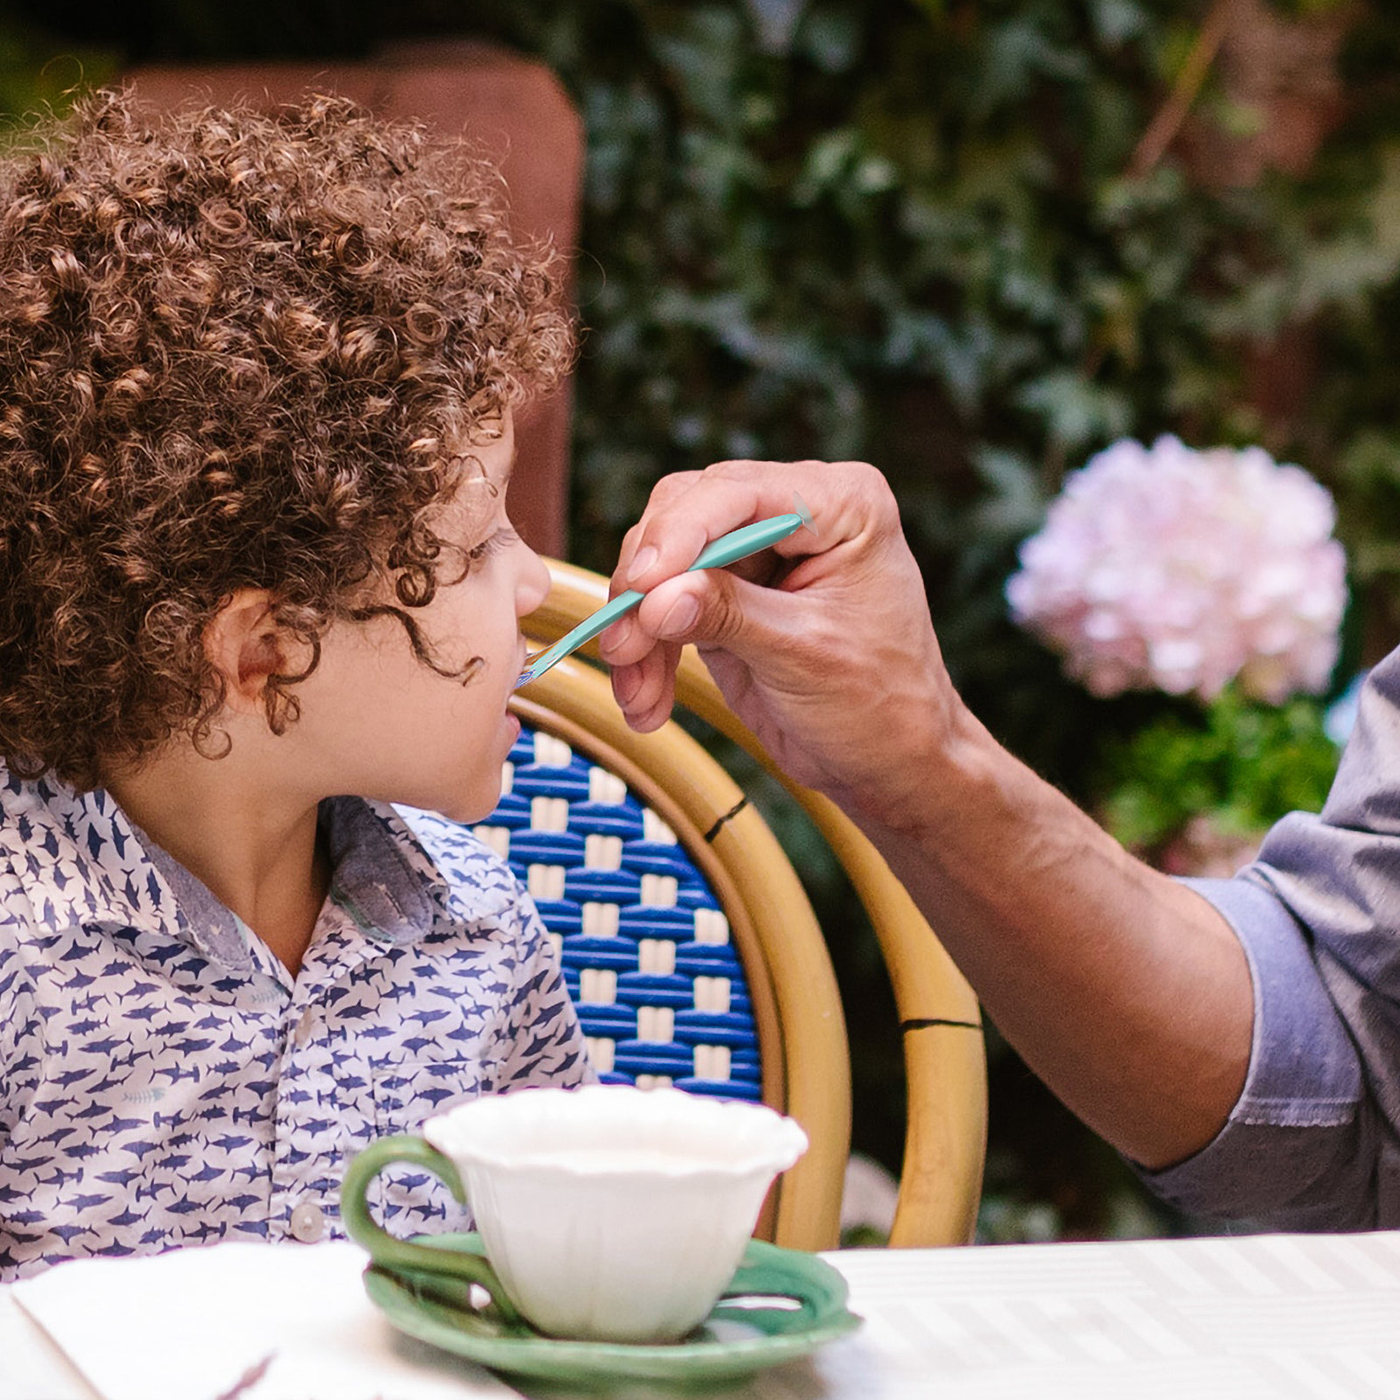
467, 811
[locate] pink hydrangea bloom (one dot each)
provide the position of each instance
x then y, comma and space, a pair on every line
1166, 568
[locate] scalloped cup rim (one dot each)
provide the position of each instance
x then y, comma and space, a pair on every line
778, 1141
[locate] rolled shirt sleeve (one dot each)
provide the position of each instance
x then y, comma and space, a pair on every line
1314, 1140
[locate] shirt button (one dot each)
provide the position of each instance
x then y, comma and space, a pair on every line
308, 1223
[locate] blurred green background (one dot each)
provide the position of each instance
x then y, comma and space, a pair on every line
932, 236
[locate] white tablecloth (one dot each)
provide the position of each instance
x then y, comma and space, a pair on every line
1276, 1316
251, 1320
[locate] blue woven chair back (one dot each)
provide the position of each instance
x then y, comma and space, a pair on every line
645, 947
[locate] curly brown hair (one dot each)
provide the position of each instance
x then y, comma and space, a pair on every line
236, 350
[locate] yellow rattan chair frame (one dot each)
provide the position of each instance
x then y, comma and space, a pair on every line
797, 1008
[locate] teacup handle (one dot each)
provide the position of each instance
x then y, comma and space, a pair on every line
390, 1252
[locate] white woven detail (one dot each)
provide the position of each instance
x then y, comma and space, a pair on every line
602, 852
711, 926
556, 941
654, 829
660, 891
654, 1081
597, 985
507, 778
551, 752
549, 813
600, 920
712, 1062
601, 1052
545, 881
712, 995
496, 837
656, 1023
606, 787
656, 955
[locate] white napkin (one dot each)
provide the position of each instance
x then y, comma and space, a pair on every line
259, 1321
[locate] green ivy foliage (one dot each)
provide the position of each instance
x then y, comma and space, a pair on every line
904, 232
1244, 763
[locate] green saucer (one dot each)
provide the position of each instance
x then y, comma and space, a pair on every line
732, 1342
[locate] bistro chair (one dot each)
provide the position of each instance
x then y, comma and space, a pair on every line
693, 954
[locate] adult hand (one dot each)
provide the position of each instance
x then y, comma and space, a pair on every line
1126, 991
822, 646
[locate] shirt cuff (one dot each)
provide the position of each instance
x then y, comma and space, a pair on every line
1303, 1077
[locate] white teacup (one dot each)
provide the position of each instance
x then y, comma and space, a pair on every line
606, 1212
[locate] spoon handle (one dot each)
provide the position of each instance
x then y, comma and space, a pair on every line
737, 544
584, 632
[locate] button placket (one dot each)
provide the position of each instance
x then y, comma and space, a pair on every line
310, 1138
303, 1161
305, 1028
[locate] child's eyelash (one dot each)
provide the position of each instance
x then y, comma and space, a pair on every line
503, 537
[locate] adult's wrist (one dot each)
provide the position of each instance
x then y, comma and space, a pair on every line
939, 767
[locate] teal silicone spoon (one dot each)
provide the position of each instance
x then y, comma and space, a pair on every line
737, 544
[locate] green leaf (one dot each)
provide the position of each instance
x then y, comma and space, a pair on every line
1243, 763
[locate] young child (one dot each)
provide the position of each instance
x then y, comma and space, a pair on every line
257, 582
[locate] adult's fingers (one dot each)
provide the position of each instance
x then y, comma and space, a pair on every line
849, 501
710, 606
645, 689
689, 510
773, 641
722, 615
662, 497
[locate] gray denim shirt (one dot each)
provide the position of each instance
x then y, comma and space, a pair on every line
1314, 1141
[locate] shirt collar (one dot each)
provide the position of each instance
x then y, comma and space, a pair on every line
79, 859
381, 876
392, 882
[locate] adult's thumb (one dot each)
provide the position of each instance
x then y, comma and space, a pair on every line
714, 608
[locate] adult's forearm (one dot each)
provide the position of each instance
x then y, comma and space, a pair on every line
1126, 992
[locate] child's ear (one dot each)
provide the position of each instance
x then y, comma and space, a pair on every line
245, 644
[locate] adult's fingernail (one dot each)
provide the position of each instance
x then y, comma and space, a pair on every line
616, 637
681, 617
645, 558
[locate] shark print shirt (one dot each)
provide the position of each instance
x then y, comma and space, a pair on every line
165, 1081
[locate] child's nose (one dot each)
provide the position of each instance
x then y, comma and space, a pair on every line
533, 585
